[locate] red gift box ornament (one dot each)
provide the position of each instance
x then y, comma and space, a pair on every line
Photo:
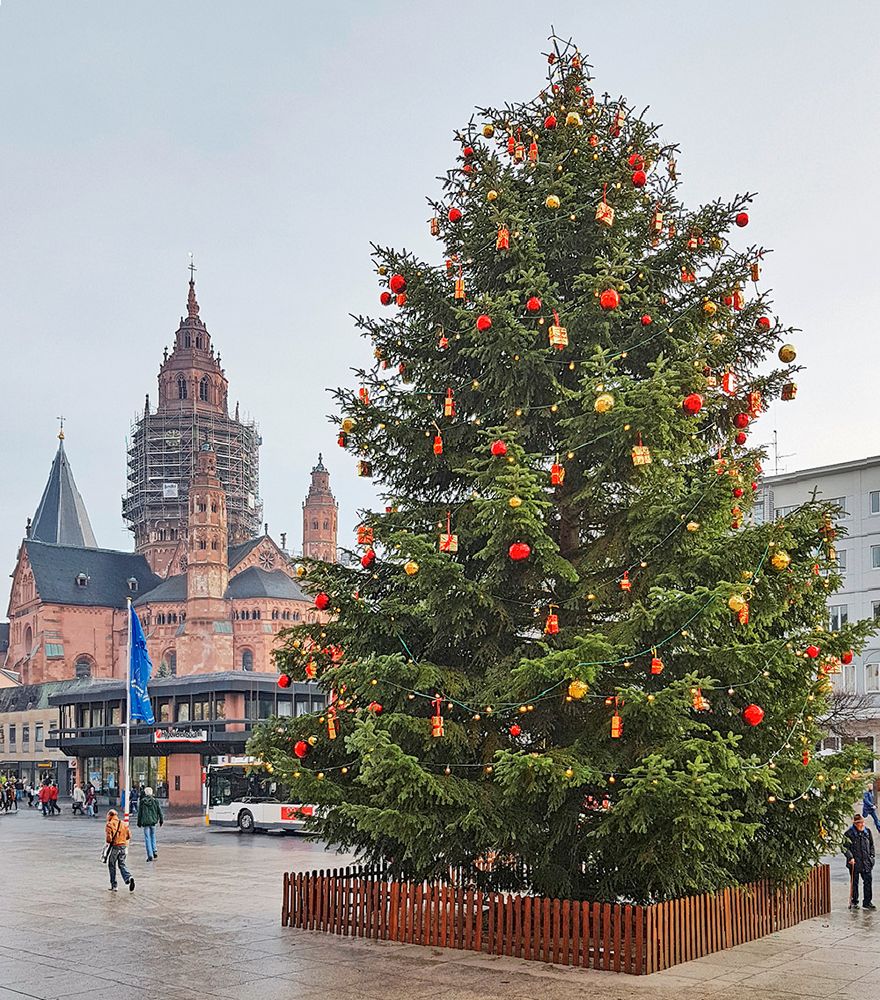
364, 395
459, 288
503, 240
551, 625
437, 718
616, 726
656, 663
364, 534
435, 226
557, 474
438, 445
449, 404
625, 583
604, 212
533, 152
699, 702
729, 383
448, 541
365, 469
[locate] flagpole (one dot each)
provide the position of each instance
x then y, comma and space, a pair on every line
127, 740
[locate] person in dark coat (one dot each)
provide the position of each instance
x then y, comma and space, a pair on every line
858, 848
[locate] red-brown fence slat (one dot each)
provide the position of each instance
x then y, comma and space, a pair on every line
566, 933
557, 932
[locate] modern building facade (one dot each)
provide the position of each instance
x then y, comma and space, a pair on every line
855, 488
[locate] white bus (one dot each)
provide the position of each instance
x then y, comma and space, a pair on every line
244, 794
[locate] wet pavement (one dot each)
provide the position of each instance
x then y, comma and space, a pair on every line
204, 922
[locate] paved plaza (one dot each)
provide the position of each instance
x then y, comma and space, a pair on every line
204, 923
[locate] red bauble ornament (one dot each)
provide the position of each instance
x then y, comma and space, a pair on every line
741, 420
386, 298
454, 214
639, 178
812, 652
515, 730
637, 162
753, 715
763, 323
738, 492
375, 707
534, 304
847, 657
519, 551
498, 449
740, 438
397, 283
322, 601
646, 320
284, 681
300, 748
609, 299
484, 323
368, 558
692, 403
468, 151
550, 121
742, 219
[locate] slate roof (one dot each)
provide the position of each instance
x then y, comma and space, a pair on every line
28, 696
61, 517
171, 589
238, 552
255, 582
56, 568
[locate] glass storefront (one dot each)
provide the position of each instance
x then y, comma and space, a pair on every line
103, 773
151, 772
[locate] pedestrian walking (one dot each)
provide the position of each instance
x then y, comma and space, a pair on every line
11, 801
53, 799
858, 848
91, 803
43, 796
869, 807
117, 837
79, 800
148, 815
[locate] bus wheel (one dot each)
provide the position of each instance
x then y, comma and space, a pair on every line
246, 821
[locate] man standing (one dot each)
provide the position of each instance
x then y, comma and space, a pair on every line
79, 800
858, 848
869, 807
149, 814
118, 836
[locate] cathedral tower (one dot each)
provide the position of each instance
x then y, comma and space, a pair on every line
320, 512
165, 443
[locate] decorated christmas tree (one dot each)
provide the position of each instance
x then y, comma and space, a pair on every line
566, 656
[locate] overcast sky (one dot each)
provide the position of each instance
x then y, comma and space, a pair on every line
274, 139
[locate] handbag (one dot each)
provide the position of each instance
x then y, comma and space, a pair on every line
105, 853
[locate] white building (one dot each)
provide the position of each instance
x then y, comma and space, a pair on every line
855, 487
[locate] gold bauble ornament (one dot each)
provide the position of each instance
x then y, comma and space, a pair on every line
411, 567
382, 269
515, 502
573, 118
693, 526
710, 308
552, 201
488, 131
787, 353
312, 740
717, 339
737, 603
780, 560
347, 425
491, 195
577, 690
300, 570
604, 403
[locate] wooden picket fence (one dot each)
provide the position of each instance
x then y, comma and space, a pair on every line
618, 937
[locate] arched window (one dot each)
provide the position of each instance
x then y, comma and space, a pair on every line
181, 387
326, 526
203, 389
187, 340
82, 668
199, 341
168, 666
256, 614
247, 660
314, 525
28, 641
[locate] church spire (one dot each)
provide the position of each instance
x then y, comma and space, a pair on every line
192, 303
61, 517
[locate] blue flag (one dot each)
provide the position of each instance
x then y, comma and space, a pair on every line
139, 670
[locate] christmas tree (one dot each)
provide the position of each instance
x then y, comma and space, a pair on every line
565, 656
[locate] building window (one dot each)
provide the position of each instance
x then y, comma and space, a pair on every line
25, 734
785, 511
256, 615
12, 736
82, 580
199, 341
28, 641
181, 387
837, 616
841, 503
314, 525
247, 660
202, 543
874, 501
203, 389
840, 559
326, 526
875, 610
187, 342
83, 668
168, 666
214, 544
132, 584
38, 735
872, 676
875, 557
182, 711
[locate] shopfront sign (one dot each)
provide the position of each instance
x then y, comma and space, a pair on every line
181, 735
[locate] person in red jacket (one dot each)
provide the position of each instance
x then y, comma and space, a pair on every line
53, 799
43, 796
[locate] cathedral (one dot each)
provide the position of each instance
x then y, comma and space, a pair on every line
210, 586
